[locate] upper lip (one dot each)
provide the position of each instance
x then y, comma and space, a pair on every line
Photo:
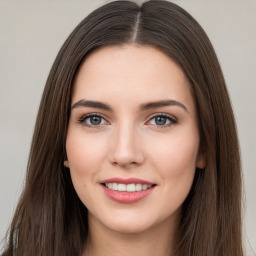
127, 181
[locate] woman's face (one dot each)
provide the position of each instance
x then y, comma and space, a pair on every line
133, 139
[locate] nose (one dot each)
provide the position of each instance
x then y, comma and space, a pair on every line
126, 148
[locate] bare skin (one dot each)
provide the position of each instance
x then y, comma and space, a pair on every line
156, 241
133, 116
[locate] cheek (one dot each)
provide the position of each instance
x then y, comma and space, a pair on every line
84, 153
176, 164
175, 160
85, 156
176, 151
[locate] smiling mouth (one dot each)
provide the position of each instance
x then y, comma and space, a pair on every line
127, 187
128, 190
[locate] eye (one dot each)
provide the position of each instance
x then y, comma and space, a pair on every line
162, 120
93, 120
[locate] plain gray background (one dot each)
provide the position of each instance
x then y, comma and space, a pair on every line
32, 32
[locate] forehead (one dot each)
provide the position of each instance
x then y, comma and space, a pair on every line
137, 73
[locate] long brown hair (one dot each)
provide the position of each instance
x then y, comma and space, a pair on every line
51, 220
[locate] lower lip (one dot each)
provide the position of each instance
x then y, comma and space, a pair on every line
127, 197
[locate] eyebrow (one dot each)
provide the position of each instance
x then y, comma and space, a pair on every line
91, 104
143, 107
162, 103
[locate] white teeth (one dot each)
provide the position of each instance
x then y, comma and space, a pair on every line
130, 188
127, 187
114, 186
121, 187
144, 186
138, 187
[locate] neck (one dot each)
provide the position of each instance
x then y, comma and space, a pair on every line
158, 240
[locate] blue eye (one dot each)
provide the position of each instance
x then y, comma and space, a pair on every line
162, 120
92, 120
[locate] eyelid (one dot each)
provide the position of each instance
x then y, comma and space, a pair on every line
85, 116
173, 120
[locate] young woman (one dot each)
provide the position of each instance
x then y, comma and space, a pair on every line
135, 150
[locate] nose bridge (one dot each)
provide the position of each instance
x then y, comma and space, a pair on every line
125, 143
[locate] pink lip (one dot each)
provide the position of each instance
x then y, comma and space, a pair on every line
126, 181
127, 197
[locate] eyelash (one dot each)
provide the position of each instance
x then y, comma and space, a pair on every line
84, 117
172, 120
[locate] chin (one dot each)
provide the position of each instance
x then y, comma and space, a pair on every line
129, 227
132, 222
